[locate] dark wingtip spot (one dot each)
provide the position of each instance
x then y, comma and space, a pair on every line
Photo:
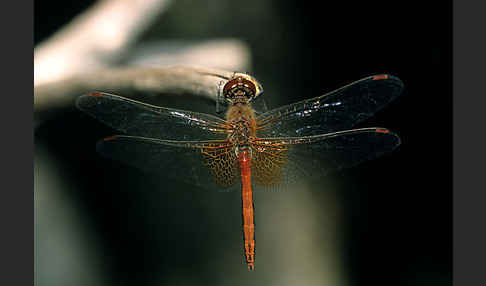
95, 94
380, 76
380, 130
109, 138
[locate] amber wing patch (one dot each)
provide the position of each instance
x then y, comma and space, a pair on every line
222, 163
268, 160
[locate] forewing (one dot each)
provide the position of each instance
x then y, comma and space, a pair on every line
285, 161
338, 110
195, 162
139, 119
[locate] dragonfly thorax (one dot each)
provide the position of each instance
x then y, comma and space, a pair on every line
242, 124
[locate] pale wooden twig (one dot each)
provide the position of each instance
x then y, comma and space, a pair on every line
226, 53
94, 39
83, 57
199, 81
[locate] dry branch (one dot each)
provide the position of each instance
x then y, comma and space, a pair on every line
82, 57
94, 38
50, 98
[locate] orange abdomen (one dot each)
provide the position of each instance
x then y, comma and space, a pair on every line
244, 159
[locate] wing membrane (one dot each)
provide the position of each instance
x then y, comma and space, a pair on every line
297, 158
206, 164
338, 110
140, 119
277, 162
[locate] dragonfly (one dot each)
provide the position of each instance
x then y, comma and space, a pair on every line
248, 149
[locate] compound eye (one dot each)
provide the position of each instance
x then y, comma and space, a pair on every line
239, 89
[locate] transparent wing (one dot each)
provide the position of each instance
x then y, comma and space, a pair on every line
280, 162
207, 164
338, 110
140, 119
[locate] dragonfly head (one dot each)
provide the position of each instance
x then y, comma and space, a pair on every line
241, 88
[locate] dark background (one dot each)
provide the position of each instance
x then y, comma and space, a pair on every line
397, 209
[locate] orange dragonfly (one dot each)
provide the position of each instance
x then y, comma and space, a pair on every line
248, 149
